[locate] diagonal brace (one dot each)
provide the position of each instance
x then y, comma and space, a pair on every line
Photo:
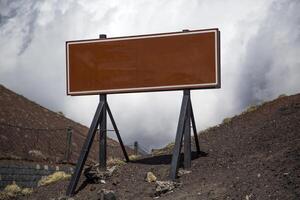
194, 129
117, 133
85, 150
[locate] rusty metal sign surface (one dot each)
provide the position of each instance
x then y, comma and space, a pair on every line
158, 62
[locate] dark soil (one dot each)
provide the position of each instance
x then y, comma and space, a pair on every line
255, 155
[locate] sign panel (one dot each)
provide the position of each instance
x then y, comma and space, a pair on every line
158, 62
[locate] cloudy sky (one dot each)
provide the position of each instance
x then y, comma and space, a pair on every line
260, 50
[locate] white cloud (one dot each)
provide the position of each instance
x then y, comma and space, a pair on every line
39, 72
270, 64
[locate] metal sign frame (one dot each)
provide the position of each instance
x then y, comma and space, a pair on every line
211, 85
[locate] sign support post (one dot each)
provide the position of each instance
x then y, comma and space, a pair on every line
85, 150
99, 118
103, 127
103, 133
184, 130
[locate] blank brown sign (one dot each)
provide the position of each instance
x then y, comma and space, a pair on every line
158, 62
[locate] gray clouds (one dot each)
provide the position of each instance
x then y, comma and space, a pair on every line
25, 11
271, 64
260, 41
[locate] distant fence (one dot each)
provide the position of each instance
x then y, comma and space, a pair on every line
27, 175
50, 144
138, 148
42, 143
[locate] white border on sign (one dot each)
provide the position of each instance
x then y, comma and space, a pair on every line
145, 88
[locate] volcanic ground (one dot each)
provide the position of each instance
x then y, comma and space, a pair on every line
255, 155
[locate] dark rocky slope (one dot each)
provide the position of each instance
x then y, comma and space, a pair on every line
255, 155
31, 132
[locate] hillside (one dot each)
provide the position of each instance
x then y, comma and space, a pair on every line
255, 155
31, 132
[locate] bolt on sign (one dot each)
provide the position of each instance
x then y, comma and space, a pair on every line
144, 63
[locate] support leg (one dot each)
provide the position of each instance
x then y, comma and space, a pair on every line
187, 138
179, 135
117, 132
194, 129
85, 150
103, 134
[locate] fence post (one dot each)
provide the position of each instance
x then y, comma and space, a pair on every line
37, 139
136, 146
69, 143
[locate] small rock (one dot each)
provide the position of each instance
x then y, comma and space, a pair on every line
165, 186
107, 194
38, 166
37, 154
150, 177
112, 169
102, 181
248, 196
63, 198
94, 175
183, 172
258, 175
